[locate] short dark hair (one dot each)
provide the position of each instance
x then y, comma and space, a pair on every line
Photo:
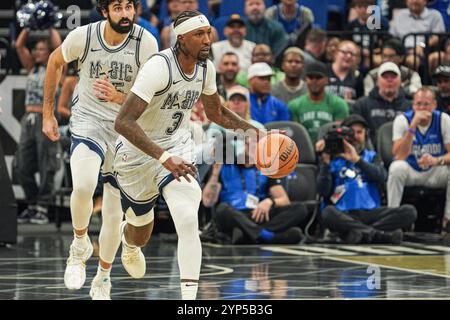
316, 36
185, 15
396, 45
103, 4
363, 3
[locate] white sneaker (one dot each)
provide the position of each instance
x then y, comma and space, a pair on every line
75, 274
100, 288
133, 259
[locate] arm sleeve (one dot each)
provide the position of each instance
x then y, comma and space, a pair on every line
445, 128
399, 127
438, 23
340, 109
149, 46
153, 77
210, 81
375, 172
279, 38
74, 45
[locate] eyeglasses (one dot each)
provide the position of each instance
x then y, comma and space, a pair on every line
347, 52
422, 104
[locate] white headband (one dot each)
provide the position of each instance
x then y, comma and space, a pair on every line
191, 24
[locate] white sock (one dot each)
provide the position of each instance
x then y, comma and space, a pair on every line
103, 273
189, 290
80, 241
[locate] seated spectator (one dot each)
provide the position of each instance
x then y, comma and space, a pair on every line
419, 19
331, 49
344, 80
238, 102
167, 35
349, 182
442, 78
317, 107
228, 71
361, 24
292, 86
394, 51
315, 46
235, 32
421, 150
263, 106
262, 53
253, 208
294, 18
263, 30
168, 38
384, 102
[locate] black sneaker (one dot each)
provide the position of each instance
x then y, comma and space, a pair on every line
393, 237
291, 236
25, 215
353, 237
39, 218
237, 236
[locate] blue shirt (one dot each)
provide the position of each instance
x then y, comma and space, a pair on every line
150, 28
359, 193
431, 142
268, 109
239, 181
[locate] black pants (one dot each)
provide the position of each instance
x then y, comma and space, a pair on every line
227, 218
368, 221
36, 153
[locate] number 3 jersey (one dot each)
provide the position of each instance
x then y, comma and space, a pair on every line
98, 60
171, 95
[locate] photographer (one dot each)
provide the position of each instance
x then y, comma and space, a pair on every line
349, 180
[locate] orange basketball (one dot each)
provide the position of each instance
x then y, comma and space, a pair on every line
277, 155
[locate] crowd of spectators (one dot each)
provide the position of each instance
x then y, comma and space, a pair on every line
276, 63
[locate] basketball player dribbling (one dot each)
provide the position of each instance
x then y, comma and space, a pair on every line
155, 149
109, 55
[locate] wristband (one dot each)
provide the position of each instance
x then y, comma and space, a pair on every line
413, 132
166, 155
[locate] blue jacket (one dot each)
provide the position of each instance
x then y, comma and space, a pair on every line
268, 109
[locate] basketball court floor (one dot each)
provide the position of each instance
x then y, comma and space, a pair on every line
33, 269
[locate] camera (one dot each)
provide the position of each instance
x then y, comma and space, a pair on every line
334, 139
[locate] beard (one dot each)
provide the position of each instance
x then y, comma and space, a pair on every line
119, 28
255, 18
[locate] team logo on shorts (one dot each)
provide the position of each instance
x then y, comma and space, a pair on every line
125, 157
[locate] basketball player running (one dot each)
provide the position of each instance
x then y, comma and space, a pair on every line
109, 55
155, 150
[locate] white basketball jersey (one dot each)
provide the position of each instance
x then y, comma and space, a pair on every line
166, 119
120, 64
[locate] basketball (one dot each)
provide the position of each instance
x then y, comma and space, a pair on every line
277, 155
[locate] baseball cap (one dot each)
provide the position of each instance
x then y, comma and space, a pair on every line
389, 67
443, 70
259, 69
316, 68
237, 90
354, 118
235, 18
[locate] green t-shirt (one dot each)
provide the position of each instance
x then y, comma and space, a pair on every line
313, 115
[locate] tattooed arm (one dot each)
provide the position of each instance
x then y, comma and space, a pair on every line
218, 113
126, 125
